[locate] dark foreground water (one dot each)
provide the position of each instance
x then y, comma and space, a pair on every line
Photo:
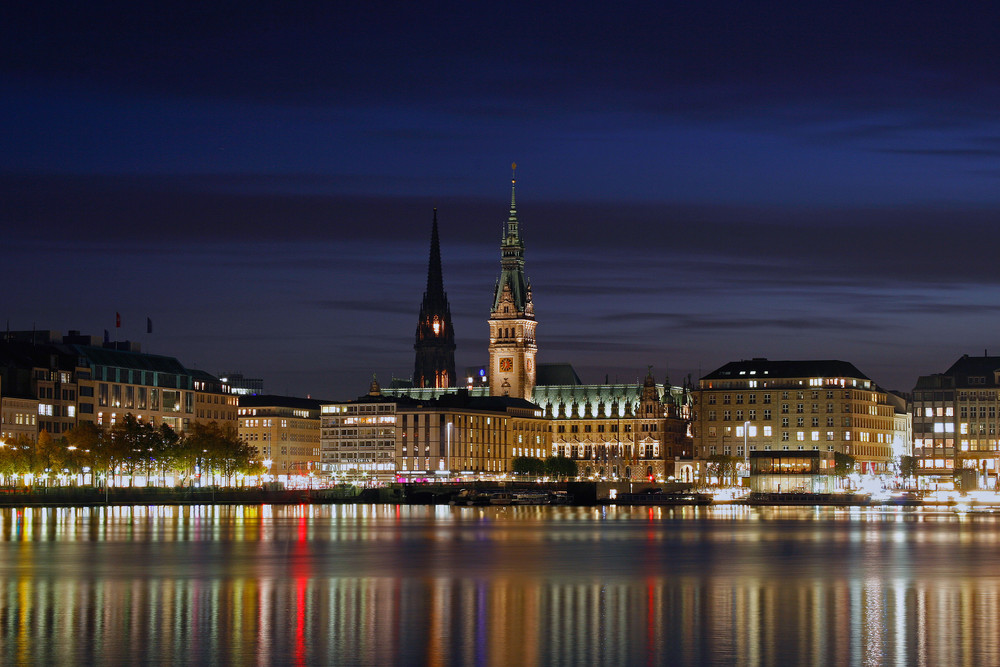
387, 585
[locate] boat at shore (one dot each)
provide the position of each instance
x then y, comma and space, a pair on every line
658, 497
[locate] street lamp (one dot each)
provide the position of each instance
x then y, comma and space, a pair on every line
71, 448
746, 448
447, 450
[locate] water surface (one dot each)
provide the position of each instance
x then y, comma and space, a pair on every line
386, 585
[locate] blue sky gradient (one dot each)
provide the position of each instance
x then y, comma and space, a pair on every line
698, 182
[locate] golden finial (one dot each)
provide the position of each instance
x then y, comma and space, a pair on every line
513, 170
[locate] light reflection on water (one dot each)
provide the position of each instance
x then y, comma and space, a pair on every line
384, 584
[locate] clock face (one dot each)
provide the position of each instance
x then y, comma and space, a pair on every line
506, 364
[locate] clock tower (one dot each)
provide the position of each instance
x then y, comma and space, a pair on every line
512, 319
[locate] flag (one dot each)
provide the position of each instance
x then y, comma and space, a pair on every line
149, 325
107, 336
118, 320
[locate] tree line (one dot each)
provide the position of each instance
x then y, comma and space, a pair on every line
116, 455
559, 467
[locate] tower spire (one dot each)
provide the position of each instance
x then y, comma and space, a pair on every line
512, 317
435, 339
435, 281
513, 182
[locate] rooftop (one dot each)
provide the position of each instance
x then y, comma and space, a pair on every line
766, 369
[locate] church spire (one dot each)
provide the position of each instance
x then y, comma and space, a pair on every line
435, 340
435, 281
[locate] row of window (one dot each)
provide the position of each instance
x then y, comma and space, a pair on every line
766, 398
611, 428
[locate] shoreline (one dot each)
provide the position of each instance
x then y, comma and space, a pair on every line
393, 496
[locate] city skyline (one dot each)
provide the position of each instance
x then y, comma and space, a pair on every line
695, 185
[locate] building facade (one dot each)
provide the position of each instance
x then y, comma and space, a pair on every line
429, 434
955, 422
73, 380
762, 405
459, 435
285, 430
635, 432
358, 438
19, 416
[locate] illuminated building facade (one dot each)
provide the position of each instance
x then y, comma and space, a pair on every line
795, 406
435, 344
635, 432
240, 384
512, 347
75, 379
358, 438
285, 430
955, 421
19, 416
429, 433
462, 435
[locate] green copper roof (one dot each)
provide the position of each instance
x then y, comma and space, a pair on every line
512, 262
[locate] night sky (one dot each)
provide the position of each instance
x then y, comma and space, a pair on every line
698, 182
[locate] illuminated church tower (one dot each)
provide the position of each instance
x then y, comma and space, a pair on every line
435, 345
512, 319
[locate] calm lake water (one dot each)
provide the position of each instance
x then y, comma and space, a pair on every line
387, 585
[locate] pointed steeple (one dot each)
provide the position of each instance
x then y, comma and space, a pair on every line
512, 276
435, 282
512, 225
435, 340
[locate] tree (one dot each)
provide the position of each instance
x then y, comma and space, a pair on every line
15, 457
528, 465
133, 443
907, 467
168, 452
47, 456
112, 451
843, 464
723, 467
216, 447
86, 437
560, 467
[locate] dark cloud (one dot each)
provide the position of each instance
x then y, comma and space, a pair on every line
670, 58
577, 248
944, 152
361, 305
